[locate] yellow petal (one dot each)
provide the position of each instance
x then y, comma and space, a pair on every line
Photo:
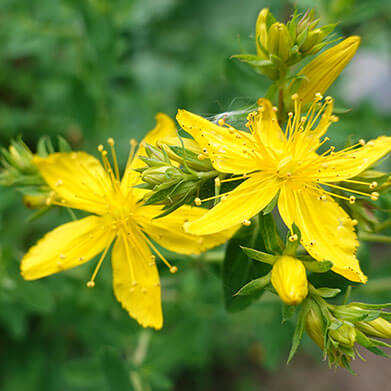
267, 127
136, 281
353, 162
168, 231
165, 127
326, 229
321, 72
77, 178
228, 150
67, 246
247, 200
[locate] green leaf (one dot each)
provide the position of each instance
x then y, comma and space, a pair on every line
259, 255
270, 236
317, 266
115, 371
254, 287
238, 269
287, 312
326, 292
272, 204
298, 333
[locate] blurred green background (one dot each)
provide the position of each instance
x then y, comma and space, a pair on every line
93, 69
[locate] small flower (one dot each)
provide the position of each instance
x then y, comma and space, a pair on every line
79, 181
273, 162
290, 280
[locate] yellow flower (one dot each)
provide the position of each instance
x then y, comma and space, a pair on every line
290, 280
321, 72
271, 162
79, 181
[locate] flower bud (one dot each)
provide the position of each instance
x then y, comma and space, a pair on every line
290, 280
279, 41
377, 328
345, 335
161, 174
314, 325
321, 72
261, 32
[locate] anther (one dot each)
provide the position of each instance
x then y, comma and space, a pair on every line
197, 201
328, 99
354, 222
100, 148
90, 284
133, 142
295, 96
334, 118
275, 109
373, 185
293, 238
318, 97
221, 122
290, 114
173, 269
352, 199
374, 196
246, 223
361, 141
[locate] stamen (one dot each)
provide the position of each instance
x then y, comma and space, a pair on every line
173, 269
133, 144
111, 142
246, 223
91, 282
293, 238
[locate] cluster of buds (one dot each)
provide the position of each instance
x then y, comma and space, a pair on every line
175, 174
337, 330
20, 172
281, 45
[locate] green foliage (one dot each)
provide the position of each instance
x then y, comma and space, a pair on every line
89, 70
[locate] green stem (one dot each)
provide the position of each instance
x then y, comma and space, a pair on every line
369, 237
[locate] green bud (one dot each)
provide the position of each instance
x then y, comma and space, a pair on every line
315, 325
279, 41
379, 327
345, 335
161, 174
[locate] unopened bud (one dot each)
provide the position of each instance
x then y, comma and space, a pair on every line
345, 335
290, 280
161, 174
314, 325
279, 41
320, 73
261, 32
377, 328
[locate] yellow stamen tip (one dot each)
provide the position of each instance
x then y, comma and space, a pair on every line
246, 223
217, 182
133, 142
352, 199
293, 238
110, 141
295, 96
197, 201
354, 222
221, 121
373, 185
375, 196
173, 269
361, 141
100, 148
90, 284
